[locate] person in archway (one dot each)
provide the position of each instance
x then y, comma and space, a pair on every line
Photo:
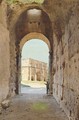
47, 87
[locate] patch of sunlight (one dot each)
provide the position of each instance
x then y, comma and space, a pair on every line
39, 106
34, 84
24, 1
31, 1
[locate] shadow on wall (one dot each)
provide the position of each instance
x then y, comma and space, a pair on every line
77, 115
0, 1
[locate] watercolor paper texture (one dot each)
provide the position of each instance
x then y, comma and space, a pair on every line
45, 34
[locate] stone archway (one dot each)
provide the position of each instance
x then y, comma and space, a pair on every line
23, 28
34, 35
26, 38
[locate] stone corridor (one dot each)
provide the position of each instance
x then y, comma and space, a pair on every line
55, 22
33, 107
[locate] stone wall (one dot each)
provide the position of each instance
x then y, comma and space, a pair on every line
4, 54
66, 68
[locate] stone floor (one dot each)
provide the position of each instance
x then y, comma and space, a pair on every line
33, 107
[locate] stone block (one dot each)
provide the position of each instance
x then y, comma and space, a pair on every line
5, 104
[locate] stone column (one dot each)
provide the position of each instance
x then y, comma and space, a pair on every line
35, 74
18, 70
20, 75
50, 73
30, 72
42, 73
27, 73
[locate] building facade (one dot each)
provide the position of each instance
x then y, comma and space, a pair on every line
33, 70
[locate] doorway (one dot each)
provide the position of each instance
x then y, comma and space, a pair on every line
34, 66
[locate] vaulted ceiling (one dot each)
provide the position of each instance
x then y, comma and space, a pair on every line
45, 16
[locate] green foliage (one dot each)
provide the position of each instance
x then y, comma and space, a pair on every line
11, 1
24, 1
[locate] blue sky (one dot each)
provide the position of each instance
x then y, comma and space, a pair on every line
36, 49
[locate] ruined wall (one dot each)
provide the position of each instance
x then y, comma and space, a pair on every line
4, 54
66, 68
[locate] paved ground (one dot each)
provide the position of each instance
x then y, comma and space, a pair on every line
33, 107
33, 90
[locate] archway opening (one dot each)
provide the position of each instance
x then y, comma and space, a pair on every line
34, 66
26, 26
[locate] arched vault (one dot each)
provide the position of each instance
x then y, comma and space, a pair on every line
34, 35
33, 19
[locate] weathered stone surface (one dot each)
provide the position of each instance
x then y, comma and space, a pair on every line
0, 110
5, 104
67, 69
4, 54
34, 107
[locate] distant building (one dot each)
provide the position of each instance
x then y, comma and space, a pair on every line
34, 70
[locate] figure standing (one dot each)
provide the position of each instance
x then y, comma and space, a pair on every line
47, 87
